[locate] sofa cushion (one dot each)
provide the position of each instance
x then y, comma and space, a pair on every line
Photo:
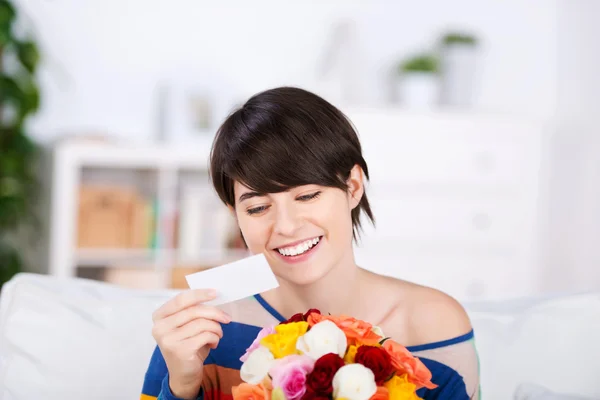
74, 339
553, 342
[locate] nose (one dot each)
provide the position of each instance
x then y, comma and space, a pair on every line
287, 222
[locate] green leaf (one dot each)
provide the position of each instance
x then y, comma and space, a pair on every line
28, 54
7, 16
420, 63
10, 262
9, 89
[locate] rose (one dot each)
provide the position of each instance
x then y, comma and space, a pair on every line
246, 391
377, 330
350, 354
357, 331
256, 344
257, 365
290, 373
319, 380
381, 394
283, 342
377, 360
299, 317
399, 388
405, 363
354, 382
324, 337
310, 395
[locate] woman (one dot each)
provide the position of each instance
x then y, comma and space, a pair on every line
289, 166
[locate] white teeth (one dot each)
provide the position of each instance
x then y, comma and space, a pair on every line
299, 248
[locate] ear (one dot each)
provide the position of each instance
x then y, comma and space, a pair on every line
356, 187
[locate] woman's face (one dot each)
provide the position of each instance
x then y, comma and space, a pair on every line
304, 232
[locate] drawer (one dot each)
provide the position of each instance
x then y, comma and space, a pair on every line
403, 218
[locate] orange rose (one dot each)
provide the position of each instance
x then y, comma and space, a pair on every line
381, 394
246, 391
356, 331
405, 363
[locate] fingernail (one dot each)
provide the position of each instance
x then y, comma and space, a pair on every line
212, 292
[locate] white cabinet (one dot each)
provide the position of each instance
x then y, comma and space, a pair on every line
456, 200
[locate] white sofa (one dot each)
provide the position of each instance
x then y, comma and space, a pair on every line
79, 339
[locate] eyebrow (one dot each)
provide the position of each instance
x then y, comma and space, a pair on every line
249, 195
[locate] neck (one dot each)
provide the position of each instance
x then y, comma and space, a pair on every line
335, 293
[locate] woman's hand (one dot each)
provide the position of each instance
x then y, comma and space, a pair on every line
185, 331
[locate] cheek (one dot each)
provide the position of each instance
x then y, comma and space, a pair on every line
336, 216
253, 231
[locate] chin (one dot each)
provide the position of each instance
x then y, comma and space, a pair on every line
302, 276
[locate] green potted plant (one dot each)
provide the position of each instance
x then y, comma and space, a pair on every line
418, 86
458, 68
19, 99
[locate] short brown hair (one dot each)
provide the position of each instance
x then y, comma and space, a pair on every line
283, 138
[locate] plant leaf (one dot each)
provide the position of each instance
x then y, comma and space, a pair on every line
28, 54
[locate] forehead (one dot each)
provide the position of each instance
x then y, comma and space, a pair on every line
239, 188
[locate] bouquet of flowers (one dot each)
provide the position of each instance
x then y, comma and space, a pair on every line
323, 357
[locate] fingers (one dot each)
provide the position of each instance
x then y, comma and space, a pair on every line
194, 312
209, 339
182, 301
197, 327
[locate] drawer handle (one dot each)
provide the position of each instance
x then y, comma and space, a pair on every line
482, 221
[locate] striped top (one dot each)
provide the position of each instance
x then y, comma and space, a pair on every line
453, 363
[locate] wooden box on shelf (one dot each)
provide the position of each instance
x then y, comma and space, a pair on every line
112, 217
178, 275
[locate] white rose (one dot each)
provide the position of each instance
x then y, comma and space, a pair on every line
257, 366
324, 337
354, 382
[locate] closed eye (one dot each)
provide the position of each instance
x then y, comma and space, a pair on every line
256, 210
311, 196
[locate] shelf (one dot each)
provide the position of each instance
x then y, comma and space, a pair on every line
150, 258
153, 156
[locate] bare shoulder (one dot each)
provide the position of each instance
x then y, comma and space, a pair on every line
426, 315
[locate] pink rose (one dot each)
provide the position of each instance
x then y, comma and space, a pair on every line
256, 344
289, 374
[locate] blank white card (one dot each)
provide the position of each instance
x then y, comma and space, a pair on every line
236, 280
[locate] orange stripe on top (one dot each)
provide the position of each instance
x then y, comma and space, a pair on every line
146, 397
219, 380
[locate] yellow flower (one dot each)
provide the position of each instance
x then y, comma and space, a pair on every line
282, 343
277, 394
401, 389
350, 354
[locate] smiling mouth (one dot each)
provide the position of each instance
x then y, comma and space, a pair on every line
300, 248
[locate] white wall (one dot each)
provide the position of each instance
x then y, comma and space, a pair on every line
103, 58
573, 230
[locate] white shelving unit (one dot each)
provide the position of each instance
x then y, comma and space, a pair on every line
162, 168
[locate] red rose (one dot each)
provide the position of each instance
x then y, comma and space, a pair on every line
319, 380
312, 310
377, 360
310, 395
299, 317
